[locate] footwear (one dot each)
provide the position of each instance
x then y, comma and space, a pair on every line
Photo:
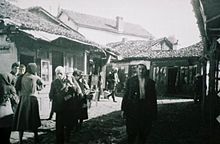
114, 101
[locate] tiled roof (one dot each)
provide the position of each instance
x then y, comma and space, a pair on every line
191, 51
142, 49
134, 47
106, 24
38, 10
24, 19
130, 48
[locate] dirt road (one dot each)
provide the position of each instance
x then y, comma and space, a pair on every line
179, 122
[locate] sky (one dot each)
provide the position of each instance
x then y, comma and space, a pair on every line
162, 18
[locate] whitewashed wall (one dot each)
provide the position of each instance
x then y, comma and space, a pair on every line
8, 54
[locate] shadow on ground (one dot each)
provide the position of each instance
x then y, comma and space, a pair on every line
178, 123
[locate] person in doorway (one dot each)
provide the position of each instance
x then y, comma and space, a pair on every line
198, 83
27, 116
139, 106
7, 91
113, 81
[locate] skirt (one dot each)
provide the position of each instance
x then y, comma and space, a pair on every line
27, 116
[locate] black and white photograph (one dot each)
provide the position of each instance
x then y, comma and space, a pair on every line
110, 71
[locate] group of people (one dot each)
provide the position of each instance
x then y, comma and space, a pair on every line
19, 109
68, 94
69, 101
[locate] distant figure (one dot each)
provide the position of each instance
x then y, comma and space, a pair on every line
113, 81
27, 116
139, 106
99, 87
198, 83
7, 91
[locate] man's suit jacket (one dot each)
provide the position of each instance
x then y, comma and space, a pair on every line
131, 100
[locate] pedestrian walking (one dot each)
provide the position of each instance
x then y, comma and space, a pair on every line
63, 93
113, 81
99, 87
27, 117
139, 106
7, 91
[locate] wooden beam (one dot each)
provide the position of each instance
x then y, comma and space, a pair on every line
214, 29
213, 18
202, 13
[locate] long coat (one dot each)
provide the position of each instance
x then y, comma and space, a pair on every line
131, 101
27, 116
7, 91
83, 109
57, 94
60, 89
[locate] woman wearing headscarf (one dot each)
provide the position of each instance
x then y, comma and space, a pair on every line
7, 91
63, 93
27, 117
82, 102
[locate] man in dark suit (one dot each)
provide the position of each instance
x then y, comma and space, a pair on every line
139, 106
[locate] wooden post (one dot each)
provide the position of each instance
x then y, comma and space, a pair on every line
204, 89
212, 92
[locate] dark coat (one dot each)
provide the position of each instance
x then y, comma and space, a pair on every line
7, 91
60, 90
83, 109
56, 94
131, 102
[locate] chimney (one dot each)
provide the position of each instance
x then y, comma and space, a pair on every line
124, 40
119, 24
174, 41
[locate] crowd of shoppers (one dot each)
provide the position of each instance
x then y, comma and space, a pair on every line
19, 110
70, 94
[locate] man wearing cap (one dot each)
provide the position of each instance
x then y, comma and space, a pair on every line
139, 106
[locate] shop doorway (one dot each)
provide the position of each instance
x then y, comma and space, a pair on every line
25, 59
172, 73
